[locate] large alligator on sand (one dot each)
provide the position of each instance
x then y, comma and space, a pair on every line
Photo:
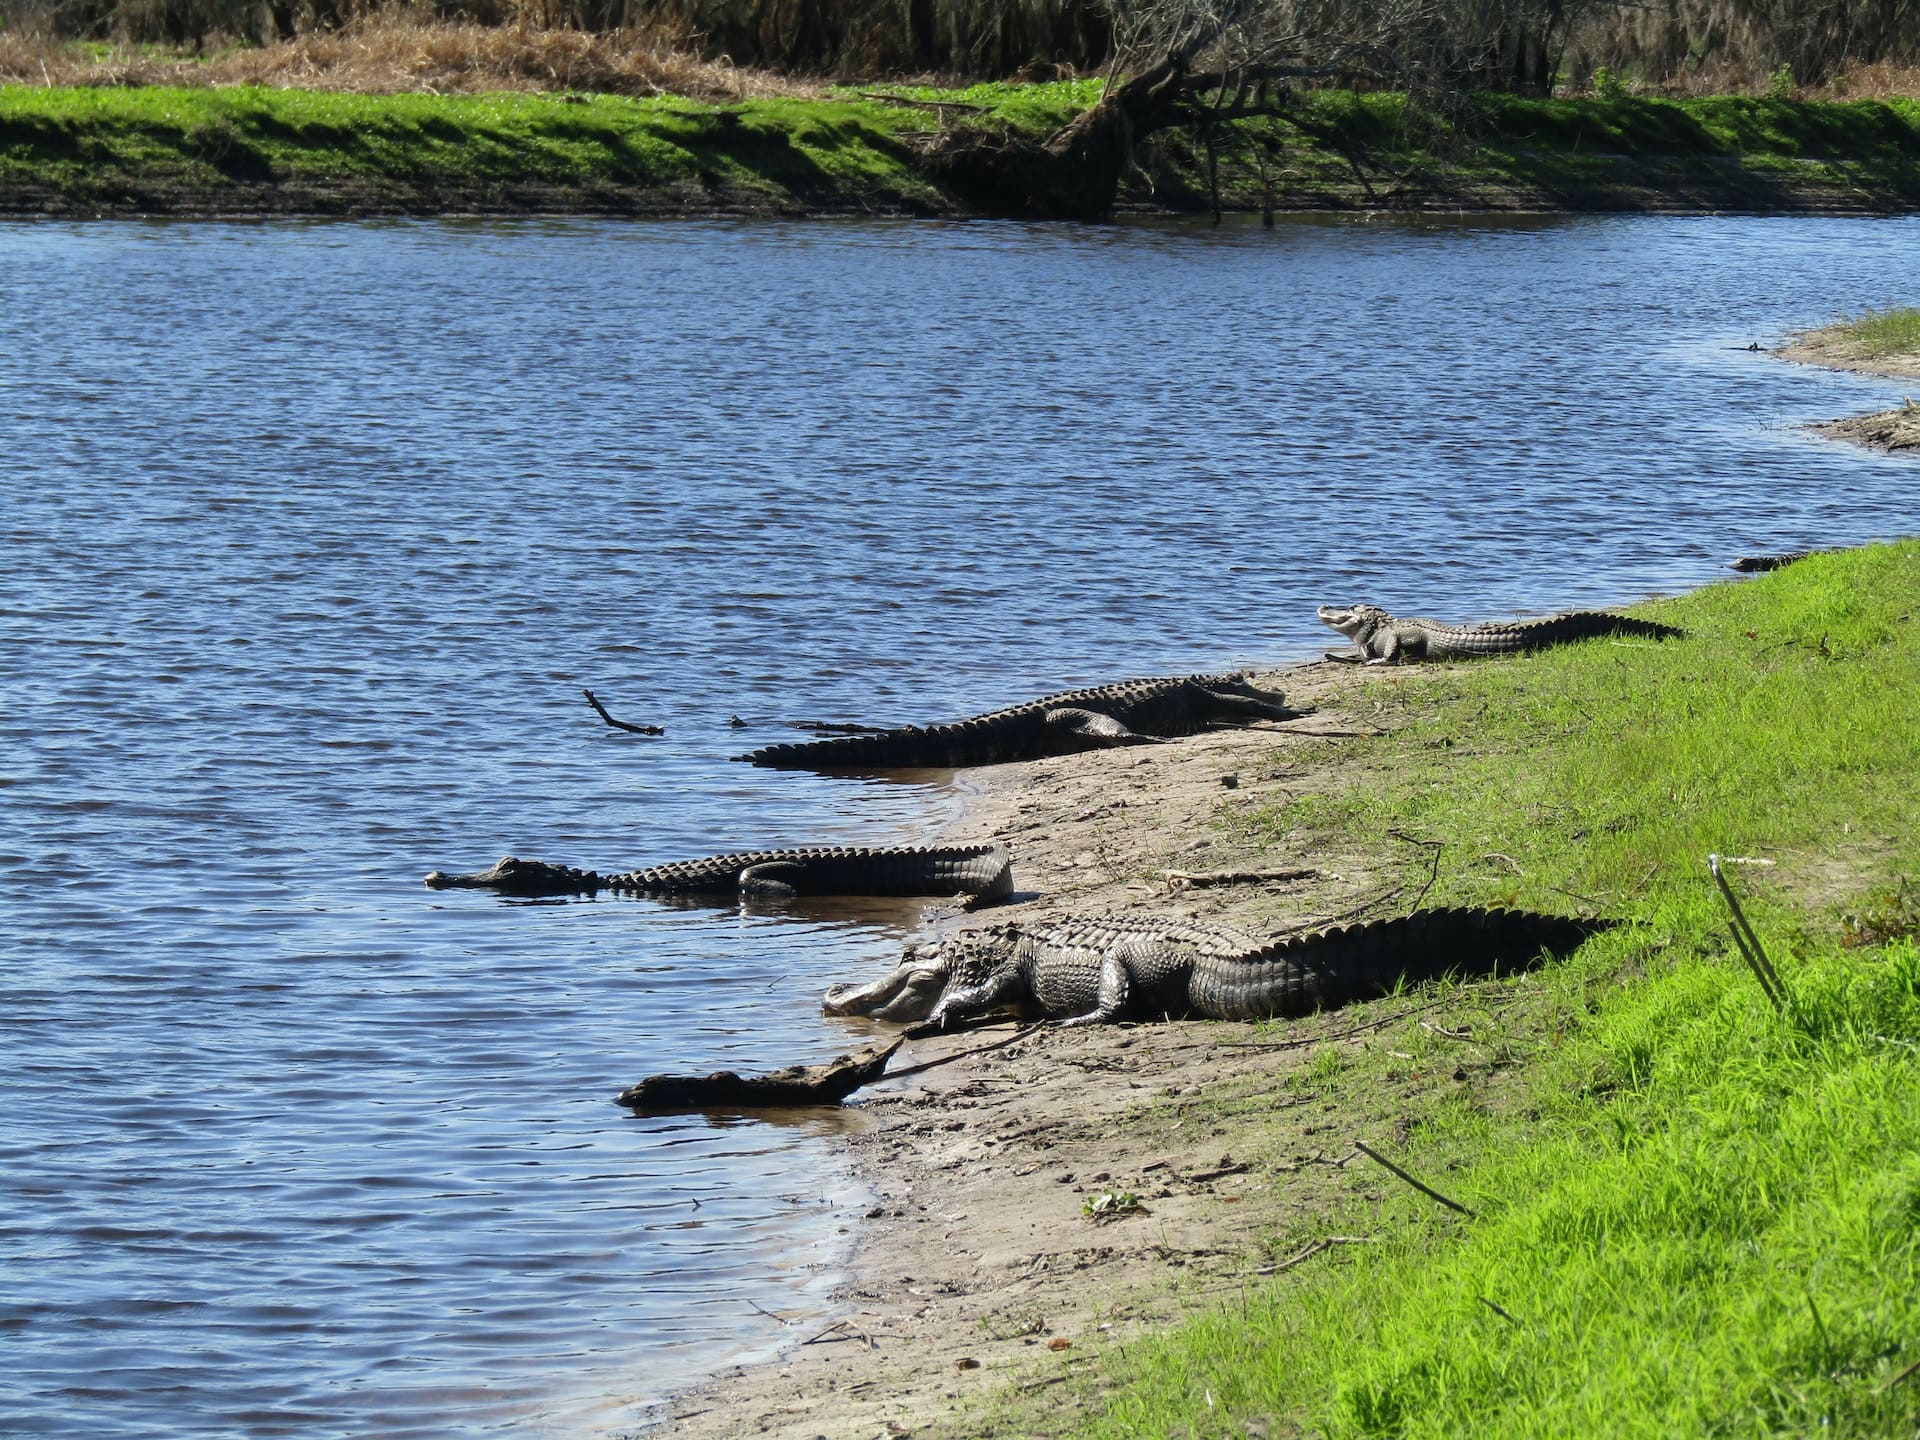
981, 871
1384, 639
1097, 969
1130, 712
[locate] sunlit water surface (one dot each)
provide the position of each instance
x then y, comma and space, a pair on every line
314, 533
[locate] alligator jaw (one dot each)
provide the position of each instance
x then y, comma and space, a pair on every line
908, 994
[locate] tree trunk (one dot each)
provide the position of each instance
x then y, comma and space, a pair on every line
1074, 175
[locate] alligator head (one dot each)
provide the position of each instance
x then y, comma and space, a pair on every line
926, 974
1356, 622
514, 876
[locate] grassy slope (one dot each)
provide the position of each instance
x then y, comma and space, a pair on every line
135, 149
1696, 1217
205, 148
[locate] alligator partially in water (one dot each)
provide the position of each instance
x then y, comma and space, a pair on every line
1097, 969
1384, 639
1130, 712
1757, 564
983, 872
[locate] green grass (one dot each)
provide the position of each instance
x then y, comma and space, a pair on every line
1695, 1216
1878, 333
130, 148
103, 143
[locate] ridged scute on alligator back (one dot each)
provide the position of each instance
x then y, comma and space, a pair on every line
1128, 712
1328, 968
978, 870
1383, 637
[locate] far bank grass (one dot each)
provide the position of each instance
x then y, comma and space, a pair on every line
160, 150
1694, 1215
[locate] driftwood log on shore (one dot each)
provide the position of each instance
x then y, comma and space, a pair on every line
826, 1084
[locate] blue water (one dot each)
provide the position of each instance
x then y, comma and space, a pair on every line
314, 533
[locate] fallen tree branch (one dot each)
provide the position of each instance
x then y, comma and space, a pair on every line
601, 711
827, 1084
1180, 880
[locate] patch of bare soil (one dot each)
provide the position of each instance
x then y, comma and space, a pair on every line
1045, 1195
1891, 430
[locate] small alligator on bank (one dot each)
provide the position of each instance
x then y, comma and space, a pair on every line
983, 872
1130, 712
1384, 639
1102, 968
1757, 564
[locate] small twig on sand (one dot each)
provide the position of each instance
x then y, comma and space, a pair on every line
1748, 944
1428, 1190
1179, 880
601, 711
958, 1054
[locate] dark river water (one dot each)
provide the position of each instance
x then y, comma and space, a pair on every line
313, 535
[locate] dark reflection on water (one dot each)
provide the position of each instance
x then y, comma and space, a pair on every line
314, 533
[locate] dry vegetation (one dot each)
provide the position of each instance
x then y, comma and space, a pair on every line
1805, 49
393, 52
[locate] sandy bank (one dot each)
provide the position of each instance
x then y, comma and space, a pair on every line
1891, 430
990, 1262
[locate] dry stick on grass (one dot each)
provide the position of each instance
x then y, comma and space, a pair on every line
601, 711
1375, 903
1373, 1154
1503, 1314
1901, 1376
1316, 1248
1433, 874
1748, 944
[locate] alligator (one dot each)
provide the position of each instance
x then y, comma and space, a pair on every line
1129, 712
1755, 564
983, 872
1384, 639
1097, 969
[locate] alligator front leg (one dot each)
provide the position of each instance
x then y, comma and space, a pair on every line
1007, 987
1116, 988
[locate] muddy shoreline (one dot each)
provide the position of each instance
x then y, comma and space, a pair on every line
1046, 1196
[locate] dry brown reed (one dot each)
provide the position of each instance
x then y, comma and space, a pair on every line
391, 52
